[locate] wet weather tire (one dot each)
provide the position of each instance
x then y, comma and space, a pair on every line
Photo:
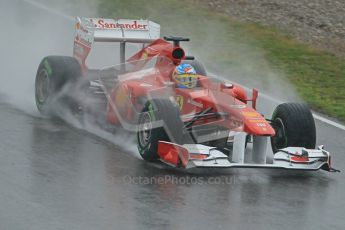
158, 121
54, 72
294, 125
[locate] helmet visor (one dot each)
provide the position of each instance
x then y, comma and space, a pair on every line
187, 80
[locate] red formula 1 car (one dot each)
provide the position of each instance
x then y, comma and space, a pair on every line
214, 124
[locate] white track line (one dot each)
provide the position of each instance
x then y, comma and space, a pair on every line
317, 117
68, 17
330, 122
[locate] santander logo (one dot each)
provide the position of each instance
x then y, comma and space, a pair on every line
121, 24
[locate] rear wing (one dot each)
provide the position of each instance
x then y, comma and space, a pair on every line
90, 30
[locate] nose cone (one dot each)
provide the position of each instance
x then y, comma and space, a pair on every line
256, 124
259, 127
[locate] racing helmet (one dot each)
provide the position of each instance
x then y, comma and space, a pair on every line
185, 76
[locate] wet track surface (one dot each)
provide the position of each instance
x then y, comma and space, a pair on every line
55, 176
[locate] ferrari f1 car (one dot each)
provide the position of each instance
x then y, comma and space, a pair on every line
213, 125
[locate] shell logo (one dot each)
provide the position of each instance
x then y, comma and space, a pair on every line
144, 56
121, 97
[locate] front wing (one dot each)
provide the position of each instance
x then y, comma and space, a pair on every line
200, 156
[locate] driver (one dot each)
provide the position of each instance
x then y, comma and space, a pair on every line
185, 76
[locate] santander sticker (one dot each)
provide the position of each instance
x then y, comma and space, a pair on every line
120, 24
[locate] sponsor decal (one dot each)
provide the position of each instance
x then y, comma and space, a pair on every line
197, 104
261, 124
84, 32
145, 55
179, 101
123, 24
84, 40
121, 97
250, 114
259, 120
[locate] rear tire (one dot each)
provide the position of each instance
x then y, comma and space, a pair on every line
294, 125
53, 74
158, 121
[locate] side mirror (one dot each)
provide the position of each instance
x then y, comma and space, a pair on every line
255, 95
227, 85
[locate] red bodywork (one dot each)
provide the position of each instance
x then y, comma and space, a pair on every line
125, 97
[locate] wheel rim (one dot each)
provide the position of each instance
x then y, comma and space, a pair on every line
280, 139
145, 129
42, 86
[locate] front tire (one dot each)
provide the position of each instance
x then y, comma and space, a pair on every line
159, 121
294, 125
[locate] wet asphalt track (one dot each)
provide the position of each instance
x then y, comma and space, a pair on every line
54, 176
